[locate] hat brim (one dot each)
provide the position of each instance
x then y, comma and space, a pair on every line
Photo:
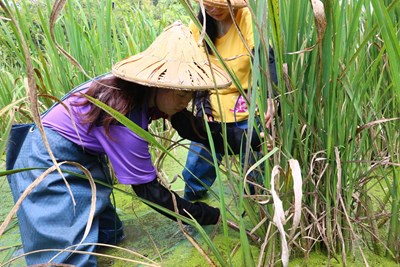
173, 61
224, 3
190, 80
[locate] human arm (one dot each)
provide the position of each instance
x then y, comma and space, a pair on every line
270, 112
203, 103
131, 161
194, 129
155, 192
272, 101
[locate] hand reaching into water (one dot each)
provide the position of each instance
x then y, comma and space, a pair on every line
268, 140
270, 113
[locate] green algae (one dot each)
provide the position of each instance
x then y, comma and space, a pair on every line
10, 241
320, 259
229, 247
160, 239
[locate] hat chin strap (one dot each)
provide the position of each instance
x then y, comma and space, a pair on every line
155, 99
154, 104
155, 112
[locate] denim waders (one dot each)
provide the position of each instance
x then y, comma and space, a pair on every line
47, 218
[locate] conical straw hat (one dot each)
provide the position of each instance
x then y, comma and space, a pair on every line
224, 3
173, 61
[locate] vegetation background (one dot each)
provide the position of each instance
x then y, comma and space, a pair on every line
335, 162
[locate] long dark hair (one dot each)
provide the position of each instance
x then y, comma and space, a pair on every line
119, 94
211, 28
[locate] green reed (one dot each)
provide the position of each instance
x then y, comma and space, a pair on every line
339, 118
338, 88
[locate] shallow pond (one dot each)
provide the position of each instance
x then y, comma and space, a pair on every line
161, 240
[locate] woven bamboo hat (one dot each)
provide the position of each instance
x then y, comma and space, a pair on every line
173, 61
224, 3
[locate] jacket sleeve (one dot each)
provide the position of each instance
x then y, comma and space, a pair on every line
158, 194
202, 101
194, 129
272, 70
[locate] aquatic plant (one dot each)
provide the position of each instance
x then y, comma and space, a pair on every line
331, 182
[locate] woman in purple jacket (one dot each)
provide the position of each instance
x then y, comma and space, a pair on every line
157, 83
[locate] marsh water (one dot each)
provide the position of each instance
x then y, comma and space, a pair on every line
161, 240
147, 232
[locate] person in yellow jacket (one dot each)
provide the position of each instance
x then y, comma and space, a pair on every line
235, 52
